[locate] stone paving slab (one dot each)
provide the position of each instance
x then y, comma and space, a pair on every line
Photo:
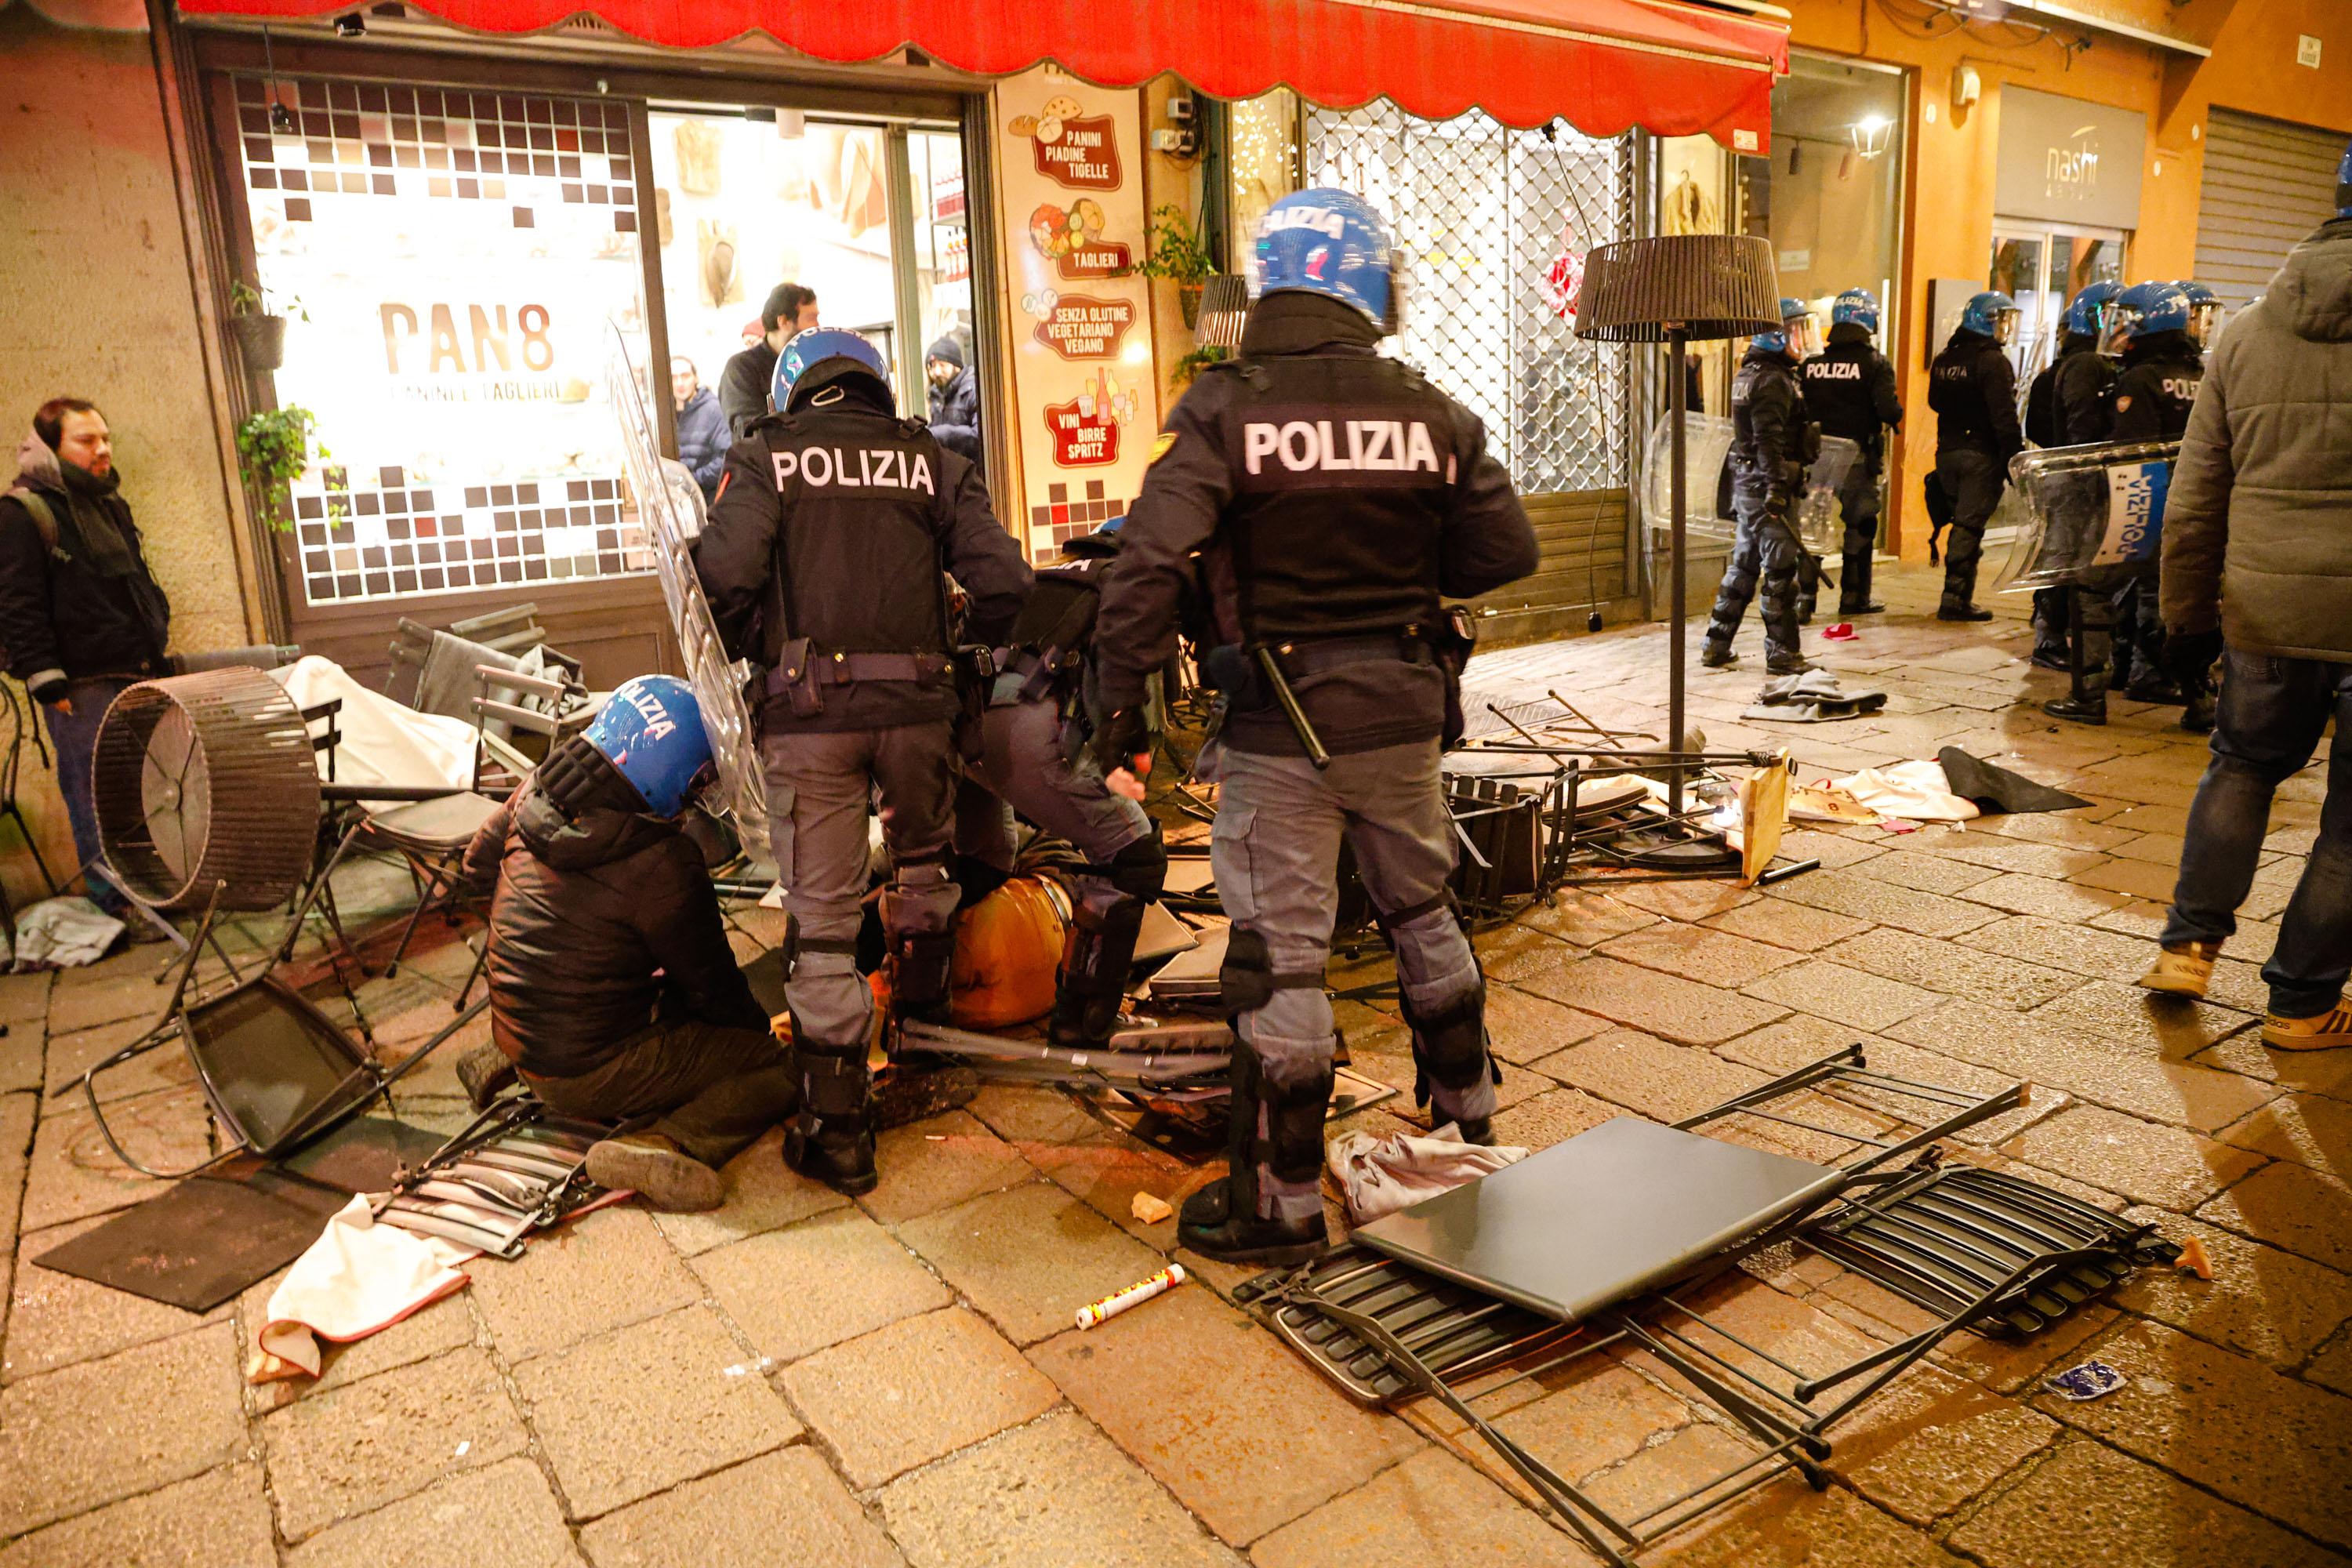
2145, 1160
598, 1272
762, 1195
1855, 893
1953, 969
2306, 1129
446, 1325
57, 1460
2262, 1300
2228, 1423
1663, 1080
1056, 1491
781, 1508
1843, 996
502, 1517
1276, 1442
1663, 1004
1524, 1026
1932, 1442
903, 1395
937, 1163
1783, 923
1068, 1256
2293, 1206
73, 1174
375, 1441
799, 1289
1430, 1510
638, 1410
1696, 953
22, 1050
1106, 1177
218, 1520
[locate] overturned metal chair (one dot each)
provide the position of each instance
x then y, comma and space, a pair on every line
1519, 1275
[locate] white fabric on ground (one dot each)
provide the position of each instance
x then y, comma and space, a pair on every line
1380, 1175
382, 741
1916, 791
357, 1278
64, 932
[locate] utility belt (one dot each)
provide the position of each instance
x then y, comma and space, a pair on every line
1025, 675
803, 671
1237, 672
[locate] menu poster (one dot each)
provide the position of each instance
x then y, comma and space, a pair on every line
1070, 157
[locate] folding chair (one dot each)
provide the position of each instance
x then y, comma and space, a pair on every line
19, 721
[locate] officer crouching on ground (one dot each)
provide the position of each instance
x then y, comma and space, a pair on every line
1972, 389
612, 986
2147, 326
1033, 759
1850, 392
826, 560
1335, 499
1773, 444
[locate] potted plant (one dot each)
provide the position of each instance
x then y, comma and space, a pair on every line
273, 448
260, 333
1178, 251
1193, 364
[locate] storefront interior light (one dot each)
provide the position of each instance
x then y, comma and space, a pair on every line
1869, 134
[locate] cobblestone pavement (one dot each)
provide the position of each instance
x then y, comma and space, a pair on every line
801, 1379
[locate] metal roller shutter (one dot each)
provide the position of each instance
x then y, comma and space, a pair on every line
2267, 185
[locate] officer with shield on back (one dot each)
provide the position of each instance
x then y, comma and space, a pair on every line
1773, 444
2147, 326
1850, 392
2067, 407
826, 560
1031, 758
1333, 500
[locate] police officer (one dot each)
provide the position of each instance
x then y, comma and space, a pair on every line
1334, 498
2206, 311
1032, 759
1973, 392
824, 560
1850, 392
1773, 443
2067, 407
2149, 327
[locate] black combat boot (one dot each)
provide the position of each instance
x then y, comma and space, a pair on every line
1716, 656
2051, 655
2079, 707
1961, 610
1221, 1220
832, 1139
1095, 957
2198, 717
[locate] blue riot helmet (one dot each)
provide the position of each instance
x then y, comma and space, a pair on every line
2144, 308
823, 357
2085, 315
651, 731
1992, 314
2344, 183
2205, 311
1856, 308
1330, 242
1796, 338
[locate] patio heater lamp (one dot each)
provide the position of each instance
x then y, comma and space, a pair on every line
1678, 289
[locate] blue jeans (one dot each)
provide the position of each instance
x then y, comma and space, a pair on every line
75, 736
2272, 711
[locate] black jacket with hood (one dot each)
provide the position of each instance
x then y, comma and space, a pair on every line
87, 607
601, 915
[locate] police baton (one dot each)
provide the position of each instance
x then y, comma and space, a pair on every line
1300, 725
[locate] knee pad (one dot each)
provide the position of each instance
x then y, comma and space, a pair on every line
1246, 979
1449, 1042
834, 1081
1140, 869
795, 945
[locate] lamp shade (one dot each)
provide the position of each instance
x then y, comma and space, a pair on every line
1707, 285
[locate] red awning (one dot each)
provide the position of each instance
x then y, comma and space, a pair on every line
1605, 65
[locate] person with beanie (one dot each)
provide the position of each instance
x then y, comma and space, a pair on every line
955, 397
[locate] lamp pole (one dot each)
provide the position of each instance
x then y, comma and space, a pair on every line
1674, 404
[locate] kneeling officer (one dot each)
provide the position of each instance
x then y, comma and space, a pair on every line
1335, 499
612, 986
825, 561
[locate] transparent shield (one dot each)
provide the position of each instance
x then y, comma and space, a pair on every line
670, 505
2072, 510
1706, 449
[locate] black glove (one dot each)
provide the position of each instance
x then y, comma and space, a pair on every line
2189, 655
1121, 736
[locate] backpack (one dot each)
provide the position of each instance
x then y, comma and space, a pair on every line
45, 523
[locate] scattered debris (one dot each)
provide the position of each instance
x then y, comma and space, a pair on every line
1111, 1306
2092, 1380
1150, 1209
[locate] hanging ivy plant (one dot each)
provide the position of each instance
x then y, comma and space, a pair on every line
273, 448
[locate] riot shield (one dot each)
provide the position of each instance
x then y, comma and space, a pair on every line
1706, 446
671, 504
2086, 508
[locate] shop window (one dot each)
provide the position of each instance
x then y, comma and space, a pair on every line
1493, 224
2043, 268
1829, 197
456, 259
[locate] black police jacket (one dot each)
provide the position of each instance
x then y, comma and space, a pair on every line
1973, 392
1850, 392
1331, 495
1773, 441
834, 525
2155, 387
2080, 386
